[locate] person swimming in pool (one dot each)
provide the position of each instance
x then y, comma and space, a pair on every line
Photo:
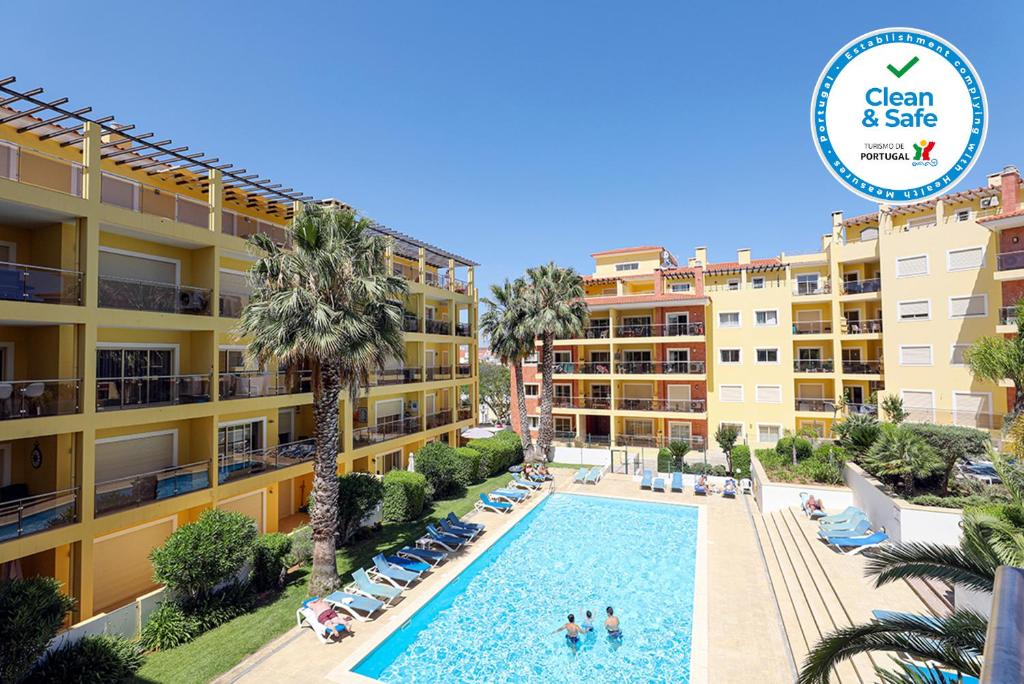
612, 625
588, 623
571, 629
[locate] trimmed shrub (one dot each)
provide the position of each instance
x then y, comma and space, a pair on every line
199, 557
438, 463
469, 465
498, 453
784, 447
954, 443
302, 546
93, 659
404, 494
33, 610
168, 626
269, 561
974, 501
741, 460
358, 495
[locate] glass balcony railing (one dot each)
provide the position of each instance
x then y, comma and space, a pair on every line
25, 283
862, 409
398, 376
141, 295
437, 327
666, 367
438, 373
660, 330
674, 406
256, 383
166, 390
138, 490
815, 405
374, 434
814, 365
851, 287
411, 323
862, 367
436, 420
812, 327
815, 287
465, 413
463, 330
30, 514
565, 435
863, 327
1010, 261
696, 441
584, 367
463, 370
34, 398
238, 466
597, 332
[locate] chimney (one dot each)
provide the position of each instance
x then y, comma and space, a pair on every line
1009, 189
743, 255
701, 256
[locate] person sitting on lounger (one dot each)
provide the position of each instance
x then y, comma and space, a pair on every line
814, 505
612, 625
327, 617
572, 630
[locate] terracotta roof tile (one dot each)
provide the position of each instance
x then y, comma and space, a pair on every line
996, 217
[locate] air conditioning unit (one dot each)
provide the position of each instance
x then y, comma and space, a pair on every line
988, 202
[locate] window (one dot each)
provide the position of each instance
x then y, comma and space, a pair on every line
738, 427
531, 390
729, 319
730, 393
971, 306
534, 422
679, 432
680, 287
729, 355
768, 434
563, 424
768, 317
733, 284
956, 355
239, 438
908, 267
562, 356
531, 359
134, 376
757, 283
962, 215
965, 259
768, 355
630, 266
768, 394
807, 283
915, 355
918, 310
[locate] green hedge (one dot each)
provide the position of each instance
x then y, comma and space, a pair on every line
270, 560
469, 461
741, 460
498, 453
804, 448
438, 463
664, 460
404, 495
33, 609
95, 659
824, 466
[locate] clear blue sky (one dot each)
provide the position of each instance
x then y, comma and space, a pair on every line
511, 132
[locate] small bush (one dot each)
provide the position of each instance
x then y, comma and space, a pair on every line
302, 546
200, 556
168, 627
469, 461
404, 494
857, 432
93, 659
269, 561
33, 610
438, 463
821, 466
784, 447
741, 460
213, 611
498, 453
665, 460
358, 495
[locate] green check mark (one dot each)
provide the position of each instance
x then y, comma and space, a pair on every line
898, 73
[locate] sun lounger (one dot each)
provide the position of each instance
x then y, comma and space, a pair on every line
449, 541
512, 496
435, 558
729, 489
358, 606
645, 482
396, 577
847, 524
307, 615
861, 529
840, 518
486, 504
815, 514
524, 484
699, 489
858, 544
677, 482
448, 528
367, 587
594, 476
580, 476
458, 522
409, 564
659, 485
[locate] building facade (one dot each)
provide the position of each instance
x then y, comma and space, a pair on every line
886, 306
127, 404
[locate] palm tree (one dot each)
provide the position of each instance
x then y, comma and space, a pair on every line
997, 358
327, 302
899, 451
556, 310
511, 340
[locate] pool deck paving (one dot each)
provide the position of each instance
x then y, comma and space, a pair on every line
740, 635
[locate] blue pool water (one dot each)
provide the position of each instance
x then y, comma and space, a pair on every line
494, 622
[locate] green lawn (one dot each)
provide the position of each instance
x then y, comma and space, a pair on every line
220, 649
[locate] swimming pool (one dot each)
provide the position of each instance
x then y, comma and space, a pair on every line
494, 622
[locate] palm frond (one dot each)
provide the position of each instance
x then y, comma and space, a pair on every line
919, 560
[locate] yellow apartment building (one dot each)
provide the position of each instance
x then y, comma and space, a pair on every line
886, 305
127, 404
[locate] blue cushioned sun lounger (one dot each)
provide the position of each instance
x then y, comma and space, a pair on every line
366, 586
435, 558
677, 482
409, 564
813, 515
830, 522
518, 481
455, 520
729, 489
485, 503
509, 495
359, 607
396, 577
449, 541
839, 517
594, 475
645, 482
857, 544
848, 524
659, 485
699, 489
861, 529
460, 532
580, 476
322, 631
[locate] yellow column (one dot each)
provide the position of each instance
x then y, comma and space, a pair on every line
470, 282
82, 560
451, 274
422, 264
91, 155
346, 428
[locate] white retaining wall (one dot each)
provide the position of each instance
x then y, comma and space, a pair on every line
774, 496
583, 456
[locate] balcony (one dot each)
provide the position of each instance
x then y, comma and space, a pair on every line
256, 383
410, 323
806, 289
565, 435
854, 287
460, 286
597, 403
138, 490
242, 226
439, 373
410, 273
812, 327
863, 327
463, 370
141, 295
438, 280
597, 332
437, 327
660, 367
44, 170
1010, 261
167, 390
34, 398
696, 441
862, 409
862, 367
465, 413
582, 367
382, 432
436, 420
683, 406
27, 515
463, 330
398, 376
660, 330
231, 467
25, 283
813, 365
815, 405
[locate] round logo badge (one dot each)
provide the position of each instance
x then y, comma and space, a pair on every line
899, 115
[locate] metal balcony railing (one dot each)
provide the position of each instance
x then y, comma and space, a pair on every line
660, 330
862, 367
460, 286
439, 418
851, 287
665, 367
256, 383
38, 513
583, 367
598, 403
237, 466
165, 390
439, 373
812, 288
597, 332
815, 405
374, 434
437, 326
398, 376
812, 327
138, 490
34, 398
410, 323
1009, 261
141, 295
864, 327
463, 330
813, 365
465, 413
862, 409
435, 279
463, 370
25, 283
675, 406
696, 441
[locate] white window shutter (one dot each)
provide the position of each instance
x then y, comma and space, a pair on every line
731, 393
913, 309
769, 394
963, 307
911, 266
919, 355
961, 259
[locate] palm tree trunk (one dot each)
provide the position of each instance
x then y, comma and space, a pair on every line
1018, 400
524, 420
908, 484
324, 516
547, 392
